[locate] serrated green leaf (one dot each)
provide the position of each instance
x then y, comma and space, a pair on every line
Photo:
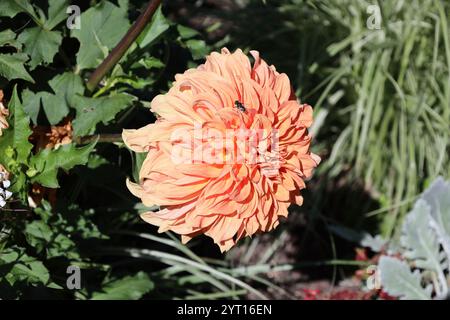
12, 67
398, 280
32, 104
8, 37
56, 13
47, 162
91, 111
62, 245
103, 27
40, 44
10, 8
24, 267
43, 237
68, 85
21, 128
155, 29
55, 107
33, 271
127, 288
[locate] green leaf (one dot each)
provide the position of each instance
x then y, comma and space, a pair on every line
8, 37
127, 288
56, 106
21, 128
32, 270
186, 33
132, 80
49, 238
10, 8
156, 28
96, 161
24, 267
148, 63
38, 234
40, 44
12, 67
62, 245
102, 28
68, 85
56, 13
198, 48
47, 162
91, 111
15, 148
398, 280
32, 104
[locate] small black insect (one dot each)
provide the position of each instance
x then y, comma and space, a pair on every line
239, 106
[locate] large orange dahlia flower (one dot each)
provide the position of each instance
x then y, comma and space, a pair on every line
228, 153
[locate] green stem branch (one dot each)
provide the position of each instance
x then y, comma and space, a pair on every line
117, 53
104, 137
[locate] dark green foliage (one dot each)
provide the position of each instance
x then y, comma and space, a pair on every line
43, 70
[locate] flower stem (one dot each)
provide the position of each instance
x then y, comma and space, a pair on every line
117, 53
104, 137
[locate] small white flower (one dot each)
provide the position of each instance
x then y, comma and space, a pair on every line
8, 194
2, 202
4, 193
6, 184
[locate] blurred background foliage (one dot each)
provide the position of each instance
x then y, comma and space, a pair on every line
381, 99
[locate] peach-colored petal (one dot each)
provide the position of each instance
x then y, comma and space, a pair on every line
282, 88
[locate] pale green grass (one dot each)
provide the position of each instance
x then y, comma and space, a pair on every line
391, 90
